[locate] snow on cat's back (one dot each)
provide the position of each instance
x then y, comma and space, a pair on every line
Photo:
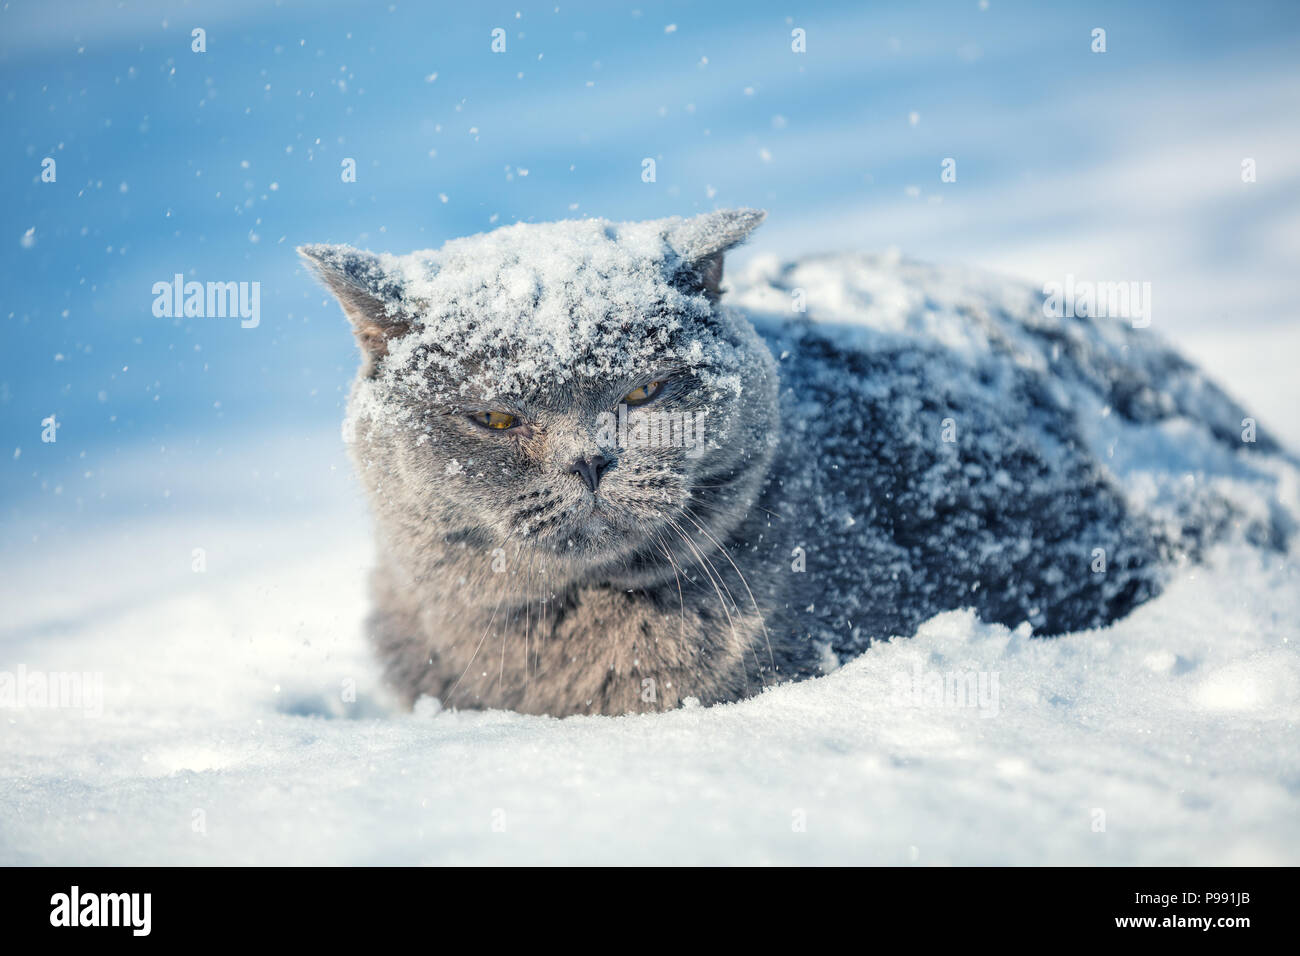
949, 439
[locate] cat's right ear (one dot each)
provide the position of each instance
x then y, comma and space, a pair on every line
371, 298
702, 241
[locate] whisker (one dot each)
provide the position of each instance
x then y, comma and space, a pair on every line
479, 646
741, 574
721, 601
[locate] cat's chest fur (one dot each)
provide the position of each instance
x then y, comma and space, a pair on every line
596, 648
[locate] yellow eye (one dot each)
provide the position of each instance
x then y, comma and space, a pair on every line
497, 420
643, 393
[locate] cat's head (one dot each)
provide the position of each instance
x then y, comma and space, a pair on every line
571, 392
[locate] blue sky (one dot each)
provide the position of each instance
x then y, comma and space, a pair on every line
1122, 165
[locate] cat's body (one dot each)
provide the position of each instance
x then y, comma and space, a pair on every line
857, 478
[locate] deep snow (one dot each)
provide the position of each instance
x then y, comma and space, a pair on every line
227, 732
223, 695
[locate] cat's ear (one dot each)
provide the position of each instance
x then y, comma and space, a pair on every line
702, 241
371, 297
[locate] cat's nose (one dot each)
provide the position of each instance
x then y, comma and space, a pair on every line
590, 469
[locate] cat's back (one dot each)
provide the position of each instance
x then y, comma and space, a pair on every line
947, 443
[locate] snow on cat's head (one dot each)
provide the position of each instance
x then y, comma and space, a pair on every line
508, 310
500, 371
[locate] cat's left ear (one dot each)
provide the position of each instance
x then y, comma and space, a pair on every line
702, 241
371, 297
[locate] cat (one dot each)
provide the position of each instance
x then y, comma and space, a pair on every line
599, 490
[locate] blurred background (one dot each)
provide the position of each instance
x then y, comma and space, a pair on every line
1122, 165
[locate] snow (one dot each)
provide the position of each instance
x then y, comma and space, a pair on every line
242, 719
579, 297
1168, 436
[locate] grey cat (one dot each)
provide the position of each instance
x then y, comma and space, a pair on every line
599, 490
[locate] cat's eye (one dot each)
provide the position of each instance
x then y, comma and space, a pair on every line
643, 393
498, 421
